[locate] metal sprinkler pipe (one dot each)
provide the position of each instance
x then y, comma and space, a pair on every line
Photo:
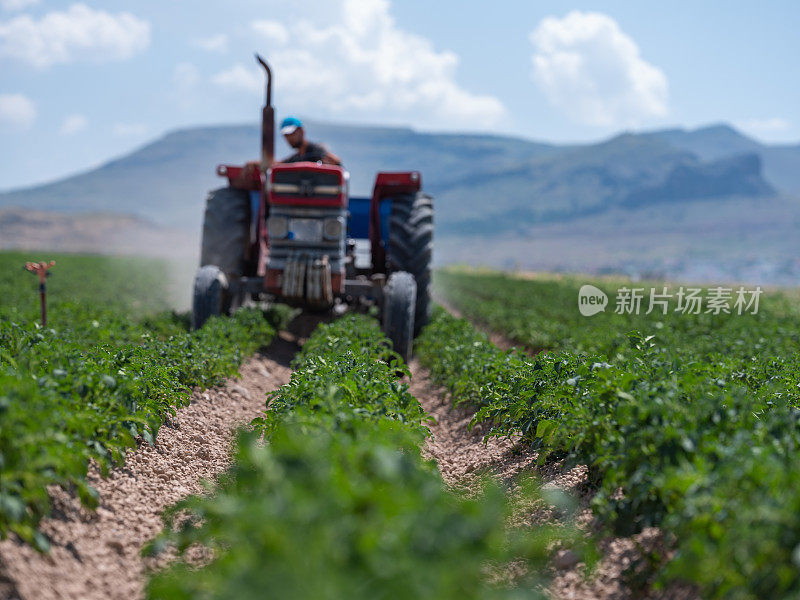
42, 270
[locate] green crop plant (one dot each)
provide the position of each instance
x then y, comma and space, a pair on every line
689, 423
339, 503
111, 366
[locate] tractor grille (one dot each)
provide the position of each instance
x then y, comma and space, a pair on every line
296, 230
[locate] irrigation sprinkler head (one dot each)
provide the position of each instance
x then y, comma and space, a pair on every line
42, 270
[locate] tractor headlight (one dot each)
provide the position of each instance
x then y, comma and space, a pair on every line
278, 227
333, 227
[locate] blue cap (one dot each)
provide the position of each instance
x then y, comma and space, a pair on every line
289, 125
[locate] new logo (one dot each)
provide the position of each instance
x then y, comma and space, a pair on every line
591, 300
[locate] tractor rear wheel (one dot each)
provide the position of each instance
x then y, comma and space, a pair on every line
226, 230
399, 304
410, 247
210, 293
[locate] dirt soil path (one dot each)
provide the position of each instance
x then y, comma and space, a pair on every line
96, 555
461, 454
498, 339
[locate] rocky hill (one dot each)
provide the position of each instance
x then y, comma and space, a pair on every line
502, 195
483, 184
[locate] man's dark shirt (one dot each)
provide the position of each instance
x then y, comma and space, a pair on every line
313, 153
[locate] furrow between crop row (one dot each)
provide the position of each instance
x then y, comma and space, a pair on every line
97, 554
668, 444
340, 503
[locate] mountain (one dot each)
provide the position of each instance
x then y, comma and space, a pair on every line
708, 143
167, 180
493, 193
164, 181
723, 141
480, 181
734, 176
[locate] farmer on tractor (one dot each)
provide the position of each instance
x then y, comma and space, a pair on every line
294, 134
286, 231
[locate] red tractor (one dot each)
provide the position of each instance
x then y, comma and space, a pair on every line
289, 233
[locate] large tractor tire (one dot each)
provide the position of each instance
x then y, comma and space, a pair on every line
399, 304
210, 292
226, 230
411, 247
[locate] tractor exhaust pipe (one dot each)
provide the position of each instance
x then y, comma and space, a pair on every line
267, 122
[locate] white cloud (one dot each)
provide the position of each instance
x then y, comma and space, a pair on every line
214, 43
74, 124
273, 31
129, 129
772, 127
587, 66
17, 4
362, 64
78, 33
16, 111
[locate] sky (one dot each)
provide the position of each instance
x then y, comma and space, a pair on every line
83, 82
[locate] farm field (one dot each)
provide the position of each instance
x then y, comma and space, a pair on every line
686, 422
111, 367
385, 300
680, 427
339, 502
343, 455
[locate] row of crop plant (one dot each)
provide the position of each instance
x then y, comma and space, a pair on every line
701, 442
111, 366
542, 313
339, 503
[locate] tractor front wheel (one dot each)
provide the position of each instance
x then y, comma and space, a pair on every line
399, 306
210, 292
